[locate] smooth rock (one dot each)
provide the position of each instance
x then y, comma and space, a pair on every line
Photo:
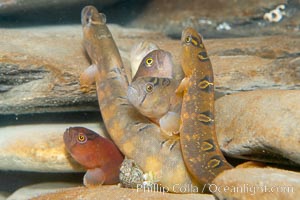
3, 195
115, 192
38, 148
218, 18
39, 73
256, 183
35, 190
17, 6
261, 125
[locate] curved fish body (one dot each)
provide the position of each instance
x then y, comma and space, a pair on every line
135, 135
100, 156
200, 149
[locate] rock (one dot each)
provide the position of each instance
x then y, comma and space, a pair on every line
38, 148
229, 19
131, 174
260, 125
43, 77
31, 191
3, 195
17, 6
46, 72
256, 183
115, 192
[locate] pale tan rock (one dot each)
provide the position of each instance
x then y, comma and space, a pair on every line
40, 72
260, 125
38, 148
28, 192
256, 183
3, 195
115, 192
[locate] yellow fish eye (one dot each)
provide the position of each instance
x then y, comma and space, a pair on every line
188, 39
81, 138
149, 61
149, 87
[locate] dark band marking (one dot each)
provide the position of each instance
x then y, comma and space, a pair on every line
143, 128
206, 118
113, 78
143, 99
214, 162
194, 41
125, 104
172, 145
204, 84
208, 145
121, 97
203, 56
162, 143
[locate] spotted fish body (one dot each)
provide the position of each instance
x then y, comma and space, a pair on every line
100, 156
200, 149
135, 135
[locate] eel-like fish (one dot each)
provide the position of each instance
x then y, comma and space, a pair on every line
99, 155
135, 135
152, 91
200, 149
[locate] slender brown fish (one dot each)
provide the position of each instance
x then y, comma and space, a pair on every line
100, 156
136, 136
200, 149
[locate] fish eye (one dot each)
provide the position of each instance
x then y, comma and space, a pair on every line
149, 62
188, 39
149, 87
81, 138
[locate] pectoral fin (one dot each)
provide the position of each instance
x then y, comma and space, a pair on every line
87, 78
94, 177
170, 123
182, 86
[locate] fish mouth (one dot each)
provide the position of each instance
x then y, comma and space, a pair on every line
131, 93
68, 138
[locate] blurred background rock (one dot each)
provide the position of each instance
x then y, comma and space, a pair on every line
214, 18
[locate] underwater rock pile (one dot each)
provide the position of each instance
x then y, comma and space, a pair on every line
257, 82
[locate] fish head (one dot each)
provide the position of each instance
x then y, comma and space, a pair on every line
151, 96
